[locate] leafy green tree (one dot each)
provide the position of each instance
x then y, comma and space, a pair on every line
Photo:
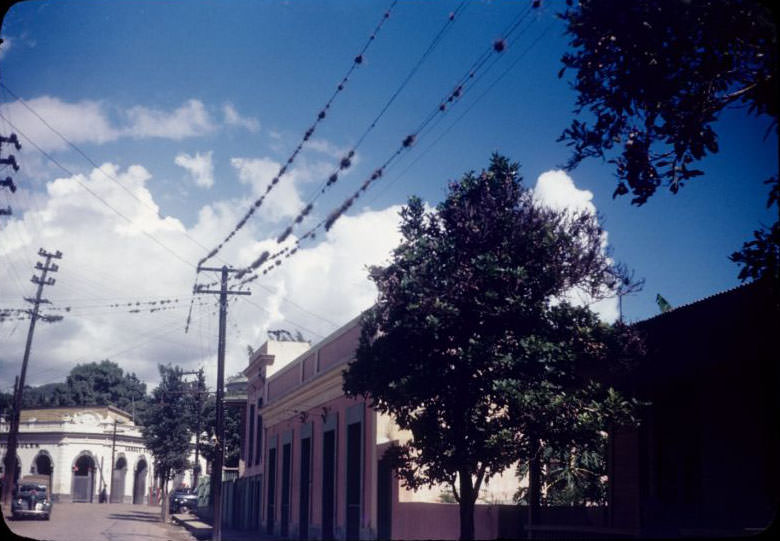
166, 428
91, 384
105, 383
653, 78
570, 476
471, 305
232, 435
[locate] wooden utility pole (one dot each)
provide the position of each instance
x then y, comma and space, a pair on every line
13, 434
220, 428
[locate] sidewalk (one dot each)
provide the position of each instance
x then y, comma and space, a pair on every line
203, 530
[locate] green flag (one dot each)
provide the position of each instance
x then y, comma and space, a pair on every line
663, 304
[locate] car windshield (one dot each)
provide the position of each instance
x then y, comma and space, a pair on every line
183, 492
41, 489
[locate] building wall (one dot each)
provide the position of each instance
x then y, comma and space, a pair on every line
85, 431
294, 425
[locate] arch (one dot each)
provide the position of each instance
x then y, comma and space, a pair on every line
83, 477
140, 473
118, 476
43, 464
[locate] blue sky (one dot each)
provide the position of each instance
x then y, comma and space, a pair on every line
235, 85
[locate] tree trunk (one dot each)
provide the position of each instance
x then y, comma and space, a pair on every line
164, 492
466, 504
534, 483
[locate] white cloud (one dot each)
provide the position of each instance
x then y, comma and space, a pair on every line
200, 167
326, 147
557, 190
106, 260
80, 122
232, 118
189, 120
87, 121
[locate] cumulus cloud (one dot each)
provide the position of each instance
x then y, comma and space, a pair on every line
232, 118
107, 260
80, 122
200, 167
284, 201
557, 190
88, 121
189, 120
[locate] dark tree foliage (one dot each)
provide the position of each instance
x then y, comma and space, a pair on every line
91, 384
655, 76
166, 427
470, 342
760, 257
232, 434
652, 80
571, 476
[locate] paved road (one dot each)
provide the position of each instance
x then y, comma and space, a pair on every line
99, 522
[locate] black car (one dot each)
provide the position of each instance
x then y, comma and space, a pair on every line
182, 500
31, 500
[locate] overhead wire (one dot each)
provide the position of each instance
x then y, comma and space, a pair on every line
358, 60
498, 46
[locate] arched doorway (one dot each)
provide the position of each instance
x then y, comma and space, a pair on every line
83, 486
118, 480
139, 482
42, 465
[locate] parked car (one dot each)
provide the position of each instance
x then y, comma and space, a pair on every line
31, 500
182, 500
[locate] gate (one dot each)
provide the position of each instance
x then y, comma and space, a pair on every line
118, 481
83, 479
139, 483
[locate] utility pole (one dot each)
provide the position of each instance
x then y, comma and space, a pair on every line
13, 434
220, 428
111, 469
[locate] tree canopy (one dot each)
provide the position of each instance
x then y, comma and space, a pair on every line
471, 343
652, 80
91, 384
166, 426
655, 76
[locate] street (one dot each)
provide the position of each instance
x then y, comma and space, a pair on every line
98, 522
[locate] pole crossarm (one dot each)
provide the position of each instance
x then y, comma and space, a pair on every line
217, 292
218, 269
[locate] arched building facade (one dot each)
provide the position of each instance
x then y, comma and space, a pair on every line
72, 447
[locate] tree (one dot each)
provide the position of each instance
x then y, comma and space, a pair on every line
166, 428
654, 77
232, 434
574, 476
473, 302
91, 384
105, 383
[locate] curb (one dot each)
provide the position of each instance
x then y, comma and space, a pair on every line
199, 530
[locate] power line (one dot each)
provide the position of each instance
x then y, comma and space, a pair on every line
92, 162
497, 47
95, 195
358, 60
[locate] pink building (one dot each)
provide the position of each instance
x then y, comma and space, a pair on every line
316, 456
